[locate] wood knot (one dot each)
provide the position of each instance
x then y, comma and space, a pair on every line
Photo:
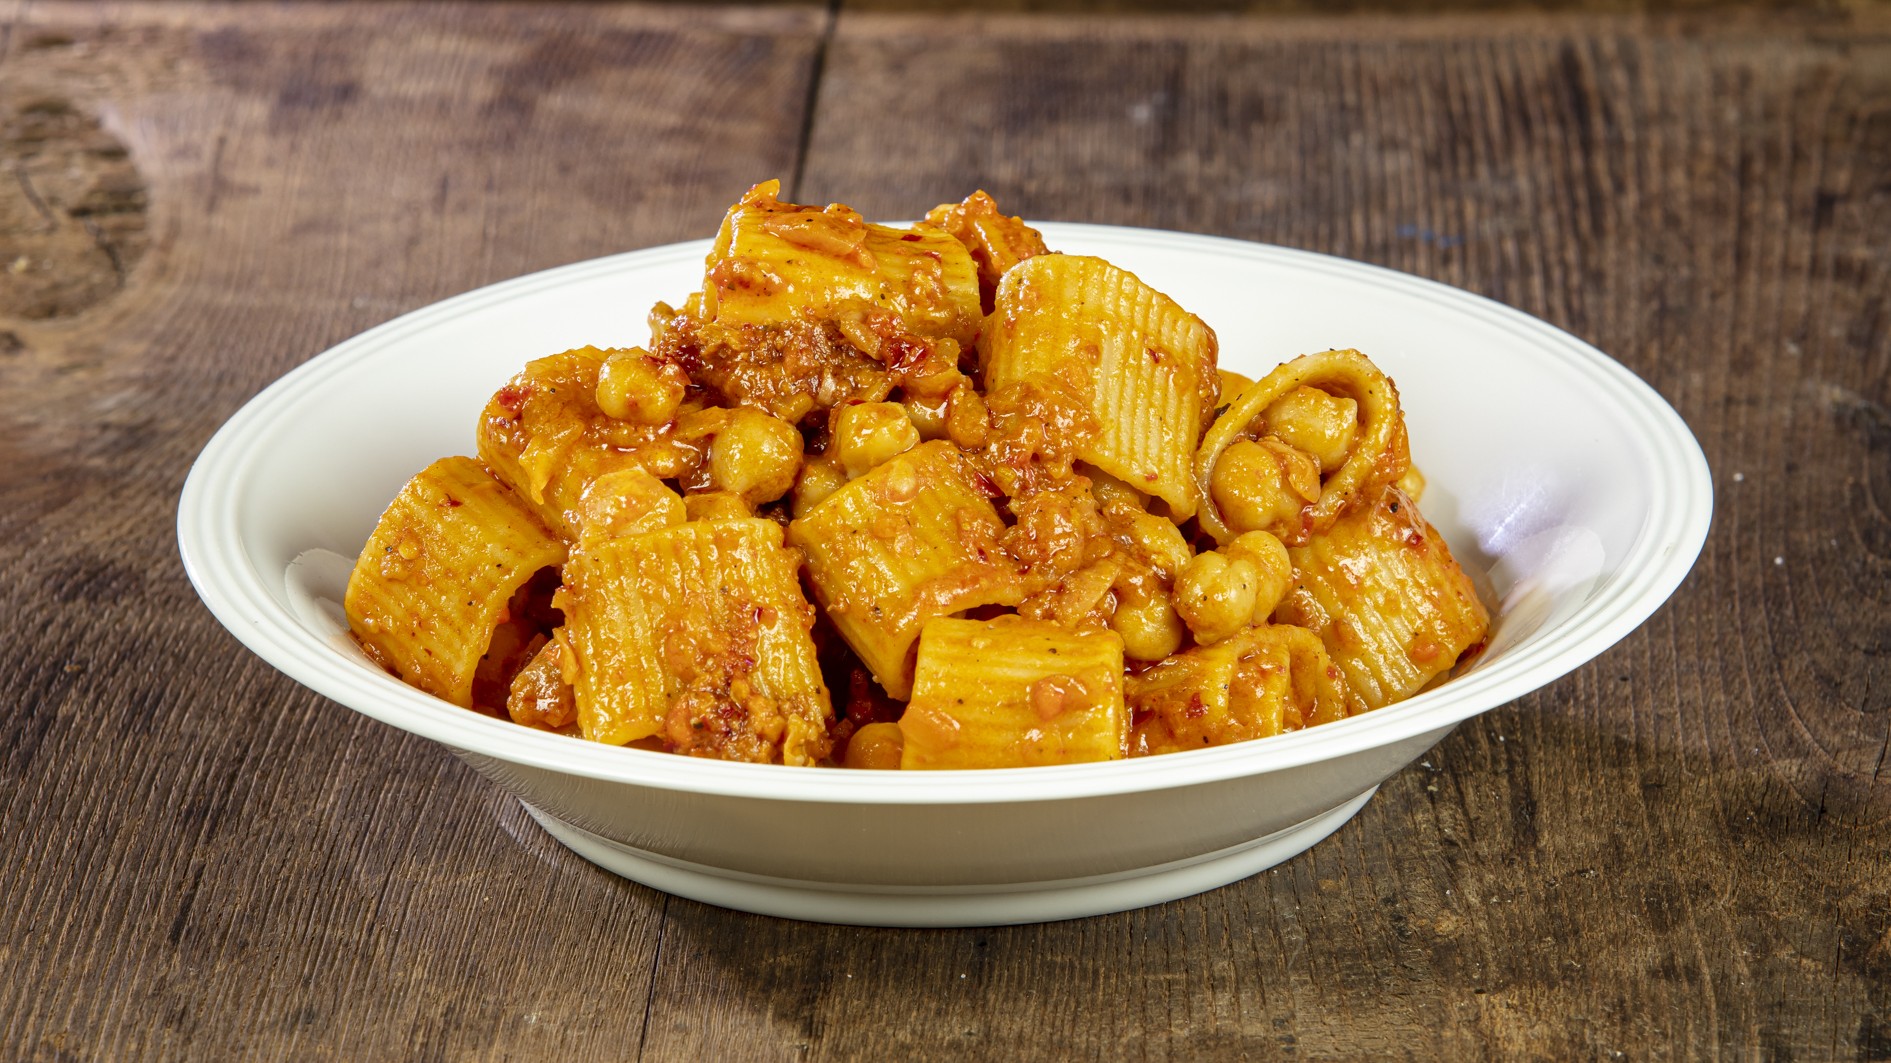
72, 210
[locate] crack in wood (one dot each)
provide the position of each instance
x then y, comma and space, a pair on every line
33, 198
816, 73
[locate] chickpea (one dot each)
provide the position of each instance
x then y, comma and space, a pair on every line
1259, 487
1160, 542
754, 456
1215, 595
877, 746
717, 505
817, 479
1311, 420
869, 433
1249, 488
928, 416
632, 386
1150, 628
939, 378
626, 502
1273, 568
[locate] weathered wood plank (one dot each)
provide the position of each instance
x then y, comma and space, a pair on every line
202, 860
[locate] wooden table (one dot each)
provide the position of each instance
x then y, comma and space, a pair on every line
1680, 850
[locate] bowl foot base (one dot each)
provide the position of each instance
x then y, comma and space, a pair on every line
938, 906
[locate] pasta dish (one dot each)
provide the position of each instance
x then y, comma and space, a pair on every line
922, 497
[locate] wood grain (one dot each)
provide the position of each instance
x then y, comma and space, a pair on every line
1682, 850
203, 861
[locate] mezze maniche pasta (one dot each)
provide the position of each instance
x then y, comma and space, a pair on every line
927, 497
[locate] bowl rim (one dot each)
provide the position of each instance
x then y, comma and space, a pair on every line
211, 543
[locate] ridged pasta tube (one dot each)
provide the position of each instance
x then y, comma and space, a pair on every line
544, 435
698, 634
436, 577
1142, 366
915, 538
997, 242
1260, 682
776, 262
1012, 693
1379, 455
1383, 592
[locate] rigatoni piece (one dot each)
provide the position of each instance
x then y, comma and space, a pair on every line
913, 539
1373, 453
532, 422
997, 242
1013, 693
1263, 681
1142, 366
1383, 592
717, 505
776, 263
544, 435
697, 634
524, 628
434, 580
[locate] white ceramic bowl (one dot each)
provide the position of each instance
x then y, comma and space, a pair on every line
1566, 485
